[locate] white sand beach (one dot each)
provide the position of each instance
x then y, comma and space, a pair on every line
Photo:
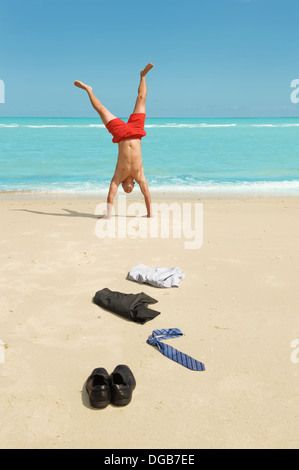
237, 307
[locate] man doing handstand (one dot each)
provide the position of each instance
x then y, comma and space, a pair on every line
128, 136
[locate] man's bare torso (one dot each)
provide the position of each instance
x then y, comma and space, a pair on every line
129, 161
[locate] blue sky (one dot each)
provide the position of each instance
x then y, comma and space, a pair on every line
212, 57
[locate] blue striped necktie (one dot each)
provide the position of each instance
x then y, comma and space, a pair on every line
170, 352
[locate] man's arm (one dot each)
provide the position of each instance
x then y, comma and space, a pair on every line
147, 197
111, 194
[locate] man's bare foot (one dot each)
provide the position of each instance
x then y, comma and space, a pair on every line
82, 85
146, 69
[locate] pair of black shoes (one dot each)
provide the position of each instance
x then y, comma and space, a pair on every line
116, 388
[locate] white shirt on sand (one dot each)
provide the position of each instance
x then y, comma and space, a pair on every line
158, 277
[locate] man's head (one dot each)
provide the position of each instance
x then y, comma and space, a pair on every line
128, 184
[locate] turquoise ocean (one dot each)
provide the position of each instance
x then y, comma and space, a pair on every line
203, 157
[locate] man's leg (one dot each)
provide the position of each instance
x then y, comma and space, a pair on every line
105, 115
142, 91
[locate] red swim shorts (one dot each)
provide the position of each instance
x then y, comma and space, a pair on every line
133, 129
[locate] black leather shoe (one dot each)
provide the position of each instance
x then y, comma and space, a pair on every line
98, 388
122, 385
